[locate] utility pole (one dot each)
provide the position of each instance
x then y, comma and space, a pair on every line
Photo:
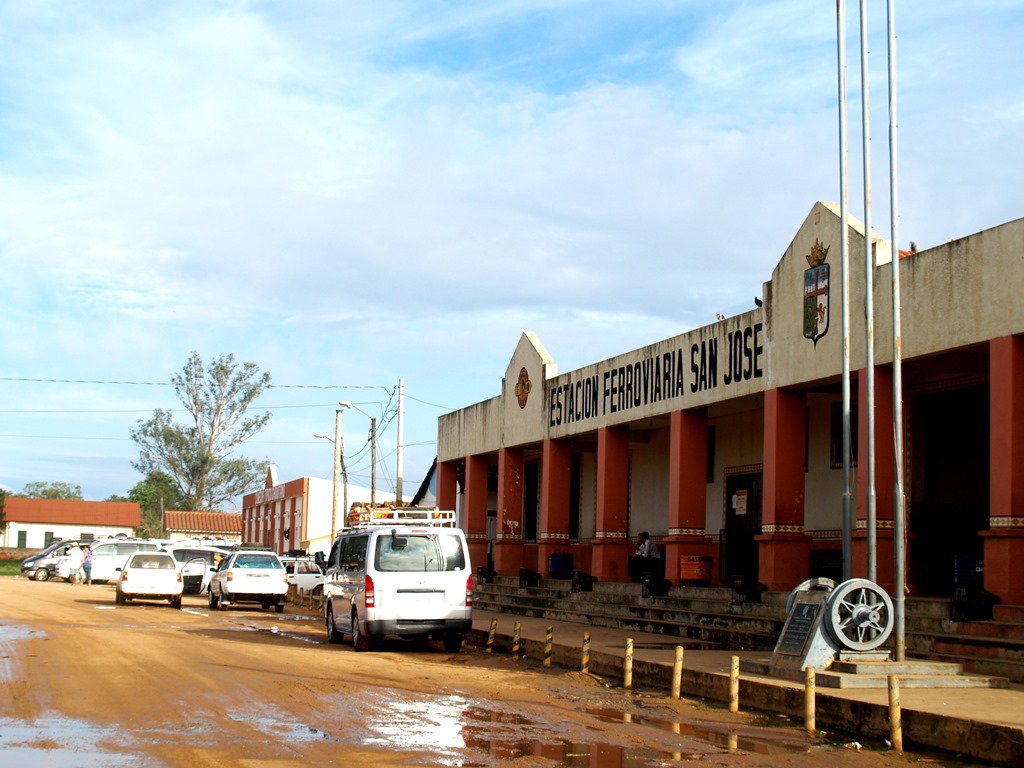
337, 472
373, 461
398, 473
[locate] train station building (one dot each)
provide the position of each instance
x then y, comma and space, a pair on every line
725, 442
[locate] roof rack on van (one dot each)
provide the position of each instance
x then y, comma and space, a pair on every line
366, 517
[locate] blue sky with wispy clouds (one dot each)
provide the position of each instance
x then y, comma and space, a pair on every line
352, 193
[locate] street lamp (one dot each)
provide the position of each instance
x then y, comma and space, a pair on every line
339, 466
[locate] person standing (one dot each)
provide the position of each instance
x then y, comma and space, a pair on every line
75, 557
87, 564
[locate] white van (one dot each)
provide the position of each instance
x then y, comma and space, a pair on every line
109, 555
405, 572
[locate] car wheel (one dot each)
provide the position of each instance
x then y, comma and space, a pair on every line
360, 641
212, 599
176, 602
452, 643
41, 574
119, 597
223, 602
333, 635
279, 608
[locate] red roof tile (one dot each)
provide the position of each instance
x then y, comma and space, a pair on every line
181, 521
113, 513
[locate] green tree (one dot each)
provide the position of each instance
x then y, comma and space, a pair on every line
198, 457
52, 491
154, 495
3, 499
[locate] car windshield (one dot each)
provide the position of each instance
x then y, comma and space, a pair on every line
153, 561
419, 552
256, 561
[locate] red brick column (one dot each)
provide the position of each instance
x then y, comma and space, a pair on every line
556, 472
687, 493
885, 480
610, 553
508, 547
447, 486
475, 513
1004, 541
784, 552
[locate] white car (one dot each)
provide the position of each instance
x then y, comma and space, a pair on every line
249, 575
198, 564
304, 573
150, 576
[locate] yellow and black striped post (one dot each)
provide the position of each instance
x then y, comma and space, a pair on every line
549, 641
627, 665
490, 636
809, 700
677, 672
895, 715
734, 684
585, 663
517, 631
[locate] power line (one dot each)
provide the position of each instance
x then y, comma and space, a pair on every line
170, 384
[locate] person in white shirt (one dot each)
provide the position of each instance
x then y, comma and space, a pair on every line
75, 559
645, 547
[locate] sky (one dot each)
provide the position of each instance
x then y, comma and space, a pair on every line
354, 194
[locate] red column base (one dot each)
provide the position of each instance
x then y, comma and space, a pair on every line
784, 560
885, 557
546, 548
1003, 548
609, 559
508, 556
680, 548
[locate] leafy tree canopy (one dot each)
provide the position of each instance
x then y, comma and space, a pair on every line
198, 457
154, 495
52, 491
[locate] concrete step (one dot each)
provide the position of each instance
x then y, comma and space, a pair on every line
703, 630
875, 674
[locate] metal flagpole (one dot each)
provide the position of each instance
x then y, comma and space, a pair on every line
899, 506
844, 268
869, 300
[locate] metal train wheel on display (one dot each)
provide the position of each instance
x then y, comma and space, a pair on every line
859, 615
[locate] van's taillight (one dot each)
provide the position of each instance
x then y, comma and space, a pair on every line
179, 577
369, 592
124, 575
469, 591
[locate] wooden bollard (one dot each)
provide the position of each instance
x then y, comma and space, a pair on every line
585, 661
677, 672
734, 684
517, 632
627, 665
809, 694
490, 636
895, 715
549, 642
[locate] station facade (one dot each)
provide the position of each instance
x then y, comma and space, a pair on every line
725, 442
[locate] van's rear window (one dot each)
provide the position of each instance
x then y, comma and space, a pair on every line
419, 553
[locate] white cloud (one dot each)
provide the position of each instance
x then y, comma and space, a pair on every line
361, 192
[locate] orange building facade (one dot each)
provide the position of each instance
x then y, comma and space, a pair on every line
725, 442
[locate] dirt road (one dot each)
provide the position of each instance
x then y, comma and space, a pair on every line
87, 684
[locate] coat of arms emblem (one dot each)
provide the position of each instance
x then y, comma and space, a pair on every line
816, 293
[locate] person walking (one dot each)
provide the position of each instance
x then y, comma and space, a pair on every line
75, 557
87, 564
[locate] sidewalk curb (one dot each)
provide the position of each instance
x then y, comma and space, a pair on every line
1000, 744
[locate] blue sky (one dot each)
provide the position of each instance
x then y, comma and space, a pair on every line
349, 194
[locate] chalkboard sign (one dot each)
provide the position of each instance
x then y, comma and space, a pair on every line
798, 628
